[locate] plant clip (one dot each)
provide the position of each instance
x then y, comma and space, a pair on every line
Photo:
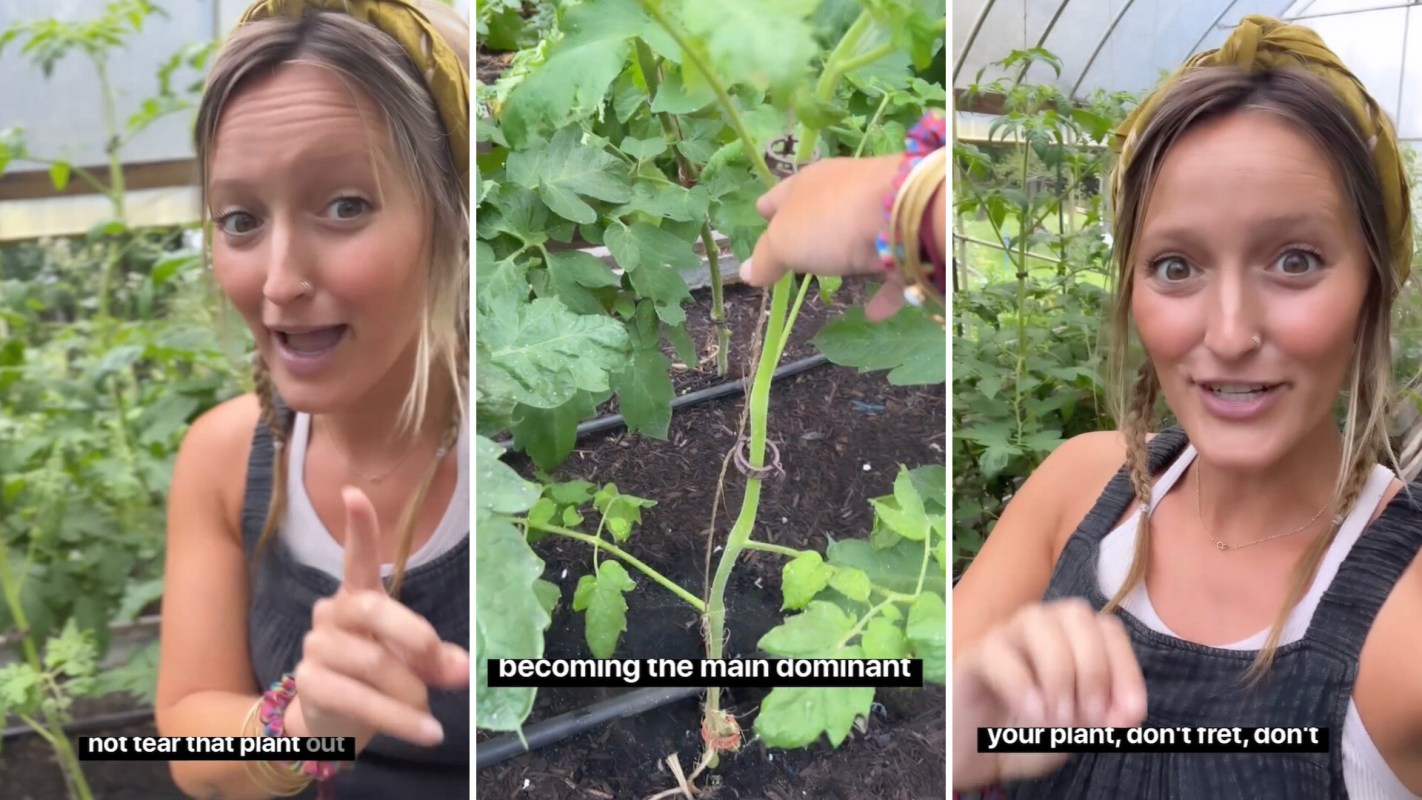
743, 464
782, 155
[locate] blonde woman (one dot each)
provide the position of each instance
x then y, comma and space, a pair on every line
318, 531
1256, 565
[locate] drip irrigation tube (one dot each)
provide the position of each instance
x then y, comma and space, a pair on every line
697, 397
542, 734
86, 725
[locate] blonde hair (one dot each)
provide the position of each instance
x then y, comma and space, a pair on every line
367, 58
1317, 112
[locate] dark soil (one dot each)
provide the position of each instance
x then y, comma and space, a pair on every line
841, 436
29, 770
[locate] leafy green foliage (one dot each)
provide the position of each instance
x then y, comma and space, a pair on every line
877, 598
600, 596
1028, 360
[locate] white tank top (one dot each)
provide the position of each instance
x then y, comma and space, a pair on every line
311, 543
1365, 774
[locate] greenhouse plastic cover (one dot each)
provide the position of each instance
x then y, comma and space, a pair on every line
1126, 45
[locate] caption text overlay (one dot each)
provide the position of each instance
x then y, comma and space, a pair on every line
676, 672
1179, 739
216, 748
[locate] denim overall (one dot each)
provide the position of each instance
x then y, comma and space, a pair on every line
283, 592
1309, 684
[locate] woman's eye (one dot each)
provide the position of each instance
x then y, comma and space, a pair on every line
347, 207
237, 223
1297, 262
1172, 269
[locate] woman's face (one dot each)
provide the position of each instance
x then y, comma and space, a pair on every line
318, 238
1248, 234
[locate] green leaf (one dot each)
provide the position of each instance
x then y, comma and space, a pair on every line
762, 44
548, 594
574, 273
540, 353
883, 639
644, 149
673, 96
828, 285
812, 634
573, 82
905, 515
571, 493
653, 259
803, 577
663, 200
796, 716
927, 635
600, 596
511, 616
894, 568
565, 170
501, 490
20, 688
850, 582
548, 435
644, 393
911, 346
59, 175
620, 511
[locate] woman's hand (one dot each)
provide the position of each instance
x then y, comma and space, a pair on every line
368, 661
823, 221
1058, 664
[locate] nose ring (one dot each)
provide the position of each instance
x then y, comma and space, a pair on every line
306, 289
1257, 341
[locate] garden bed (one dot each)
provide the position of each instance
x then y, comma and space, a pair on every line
842, 436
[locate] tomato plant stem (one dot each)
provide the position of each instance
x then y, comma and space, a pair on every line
750, 502
718, 304
667, 583
728, 106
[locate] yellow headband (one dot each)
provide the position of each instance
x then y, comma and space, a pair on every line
403, 21
1263, 43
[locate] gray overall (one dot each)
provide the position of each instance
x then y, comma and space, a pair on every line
1309, 684
283, 592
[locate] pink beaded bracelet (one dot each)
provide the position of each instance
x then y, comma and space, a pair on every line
273, 718
928, 135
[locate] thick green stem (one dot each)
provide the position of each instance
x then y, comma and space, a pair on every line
718, 303
837, 65
661, 579
750, 502
688, 174
723, 97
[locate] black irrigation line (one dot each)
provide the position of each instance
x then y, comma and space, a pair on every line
86, 725
697, 397
542, 734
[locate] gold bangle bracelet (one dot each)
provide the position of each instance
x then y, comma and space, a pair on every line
266, 775
906, 218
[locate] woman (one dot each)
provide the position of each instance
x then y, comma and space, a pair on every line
332, 141
1261, 236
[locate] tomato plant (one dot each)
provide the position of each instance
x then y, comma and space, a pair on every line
645, 127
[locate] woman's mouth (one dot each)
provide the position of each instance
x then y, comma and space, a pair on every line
308, 350
1239, 401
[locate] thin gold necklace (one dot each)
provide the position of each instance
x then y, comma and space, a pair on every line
1200, 510
374, 480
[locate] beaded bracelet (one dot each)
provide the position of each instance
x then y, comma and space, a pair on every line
273, 718
924, 139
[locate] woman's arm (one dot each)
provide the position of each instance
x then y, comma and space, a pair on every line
205, 681
1011, 573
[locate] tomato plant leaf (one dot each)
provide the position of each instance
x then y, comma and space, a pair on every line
501, 490
575, 274
565, 170
666, 201
511, 617
574, 80
850, 582
811, 634
926, 633
911, 346
540, 353
883, 639
796, 716
894, 568
757, 43
653, 259
600, 596
548, 435
644, 392
903, 512
803, 577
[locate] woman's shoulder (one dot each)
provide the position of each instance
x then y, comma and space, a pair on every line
213, 457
